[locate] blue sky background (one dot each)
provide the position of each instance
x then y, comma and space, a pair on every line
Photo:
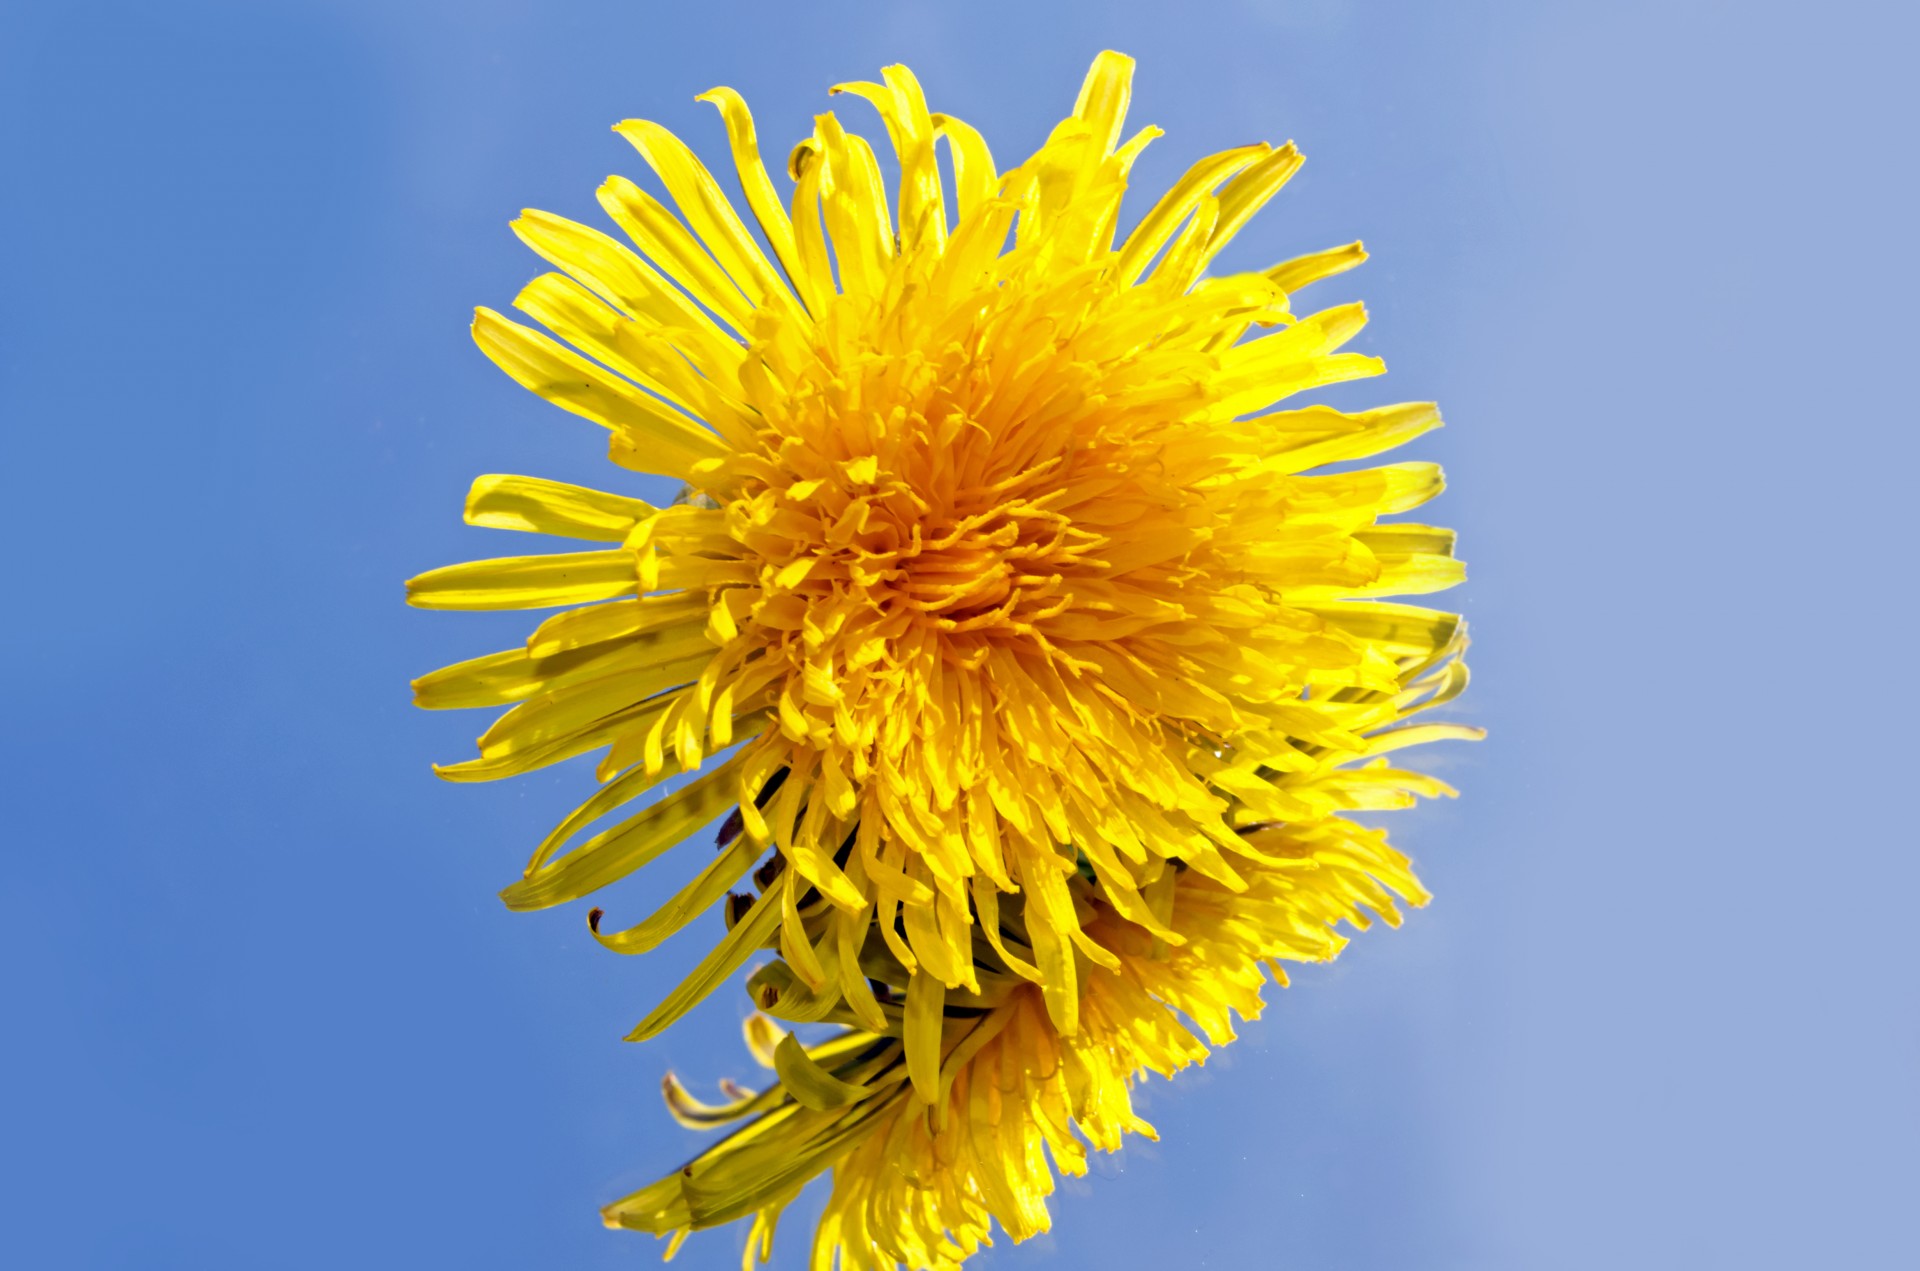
1656, 261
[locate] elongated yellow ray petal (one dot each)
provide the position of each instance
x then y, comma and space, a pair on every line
698, 896
1302, 271
674, 445
660, 359
611, 269
615, 853
1160, 223
1246, 194
569, 708
761, 196
1376, 430
921, 1031
540, 506
696, 1115
668, 244
903, 109
708, 212
974, 178
1103, 100
514, 761
809, 1083
748, 934
516, 674
854, 205
597, 624
639, 666
526, 582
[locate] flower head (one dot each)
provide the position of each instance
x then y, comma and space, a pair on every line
943, 1124
1030, 627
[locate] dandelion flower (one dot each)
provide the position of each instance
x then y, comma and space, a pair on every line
941, 1126
1002, 560
1022, 626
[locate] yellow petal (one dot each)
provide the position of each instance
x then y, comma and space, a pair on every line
666, 242
516, 674
1104, 95
921, 1030
539, 506
700, 894
1292, 275
761, 196
974, 179
1371, 432
615, 620
707, 211
809, 1083
615, 853
673, 444
748, 934
526, 582
1159, 224
555, 749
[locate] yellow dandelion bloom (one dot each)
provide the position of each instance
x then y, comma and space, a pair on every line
942, 1124
1003, 562
1041, 650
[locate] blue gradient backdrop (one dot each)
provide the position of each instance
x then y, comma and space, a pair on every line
1655, 260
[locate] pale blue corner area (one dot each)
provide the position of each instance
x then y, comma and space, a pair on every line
1656, 262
